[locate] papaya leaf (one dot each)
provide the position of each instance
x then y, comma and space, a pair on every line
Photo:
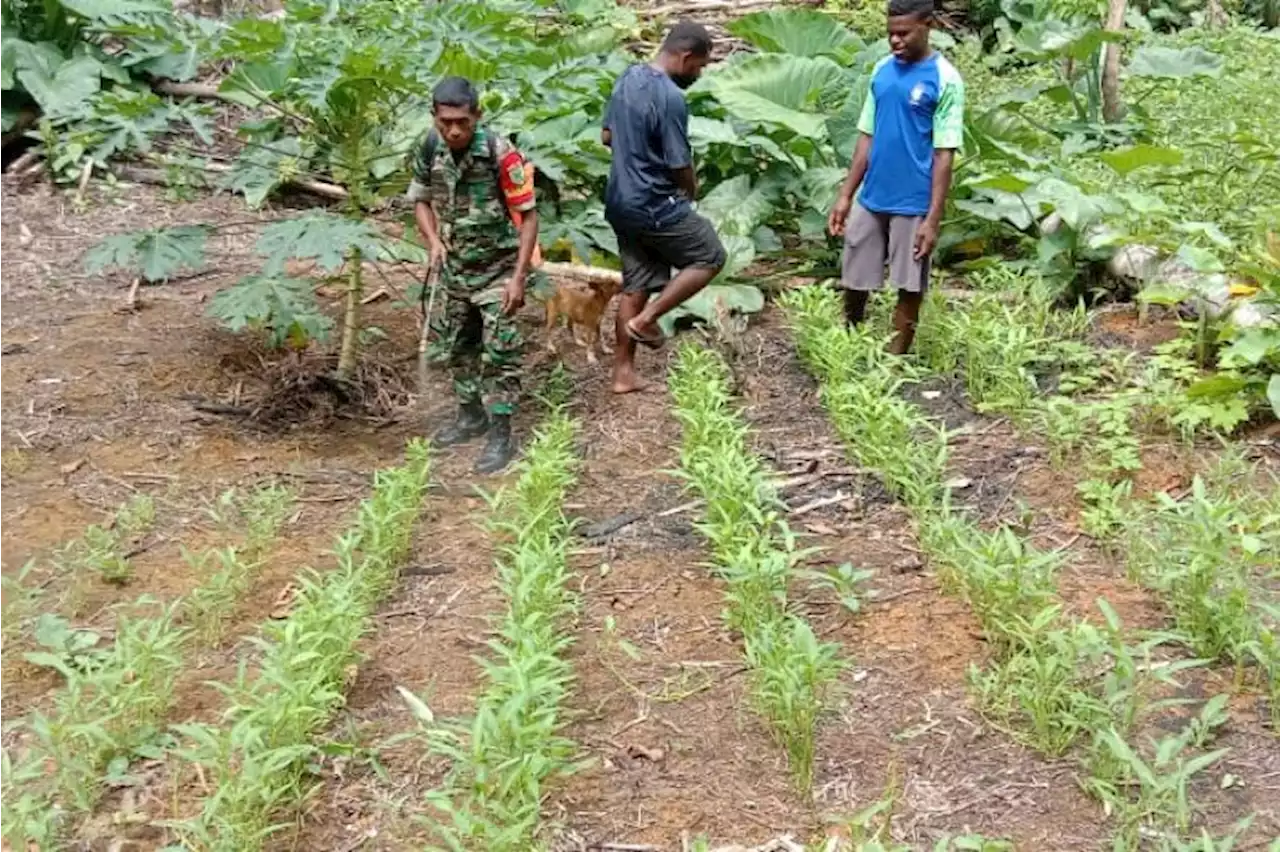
284, 307
324, 237
262, 168
798, 32
155, 255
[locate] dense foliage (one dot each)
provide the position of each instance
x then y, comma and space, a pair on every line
339, 93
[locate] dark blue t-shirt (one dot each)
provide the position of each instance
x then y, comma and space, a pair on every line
649, 122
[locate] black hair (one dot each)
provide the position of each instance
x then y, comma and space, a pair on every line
922, 9
688, 37
455, 92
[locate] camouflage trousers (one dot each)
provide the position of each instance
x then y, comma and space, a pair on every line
482, 345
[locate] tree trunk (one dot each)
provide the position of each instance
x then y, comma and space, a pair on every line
351, 318
1111, 106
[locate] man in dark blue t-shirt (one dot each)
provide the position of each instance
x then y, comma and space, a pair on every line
649, 199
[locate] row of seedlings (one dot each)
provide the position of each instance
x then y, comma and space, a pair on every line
255, 762
501, 758
1058, 684
114, 701
756, 553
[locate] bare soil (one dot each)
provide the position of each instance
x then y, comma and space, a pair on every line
101, 401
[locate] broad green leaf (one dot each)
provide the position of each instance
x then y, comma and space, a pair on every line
819, 187
73, 83
999, 207
707, 131
1163, 293
1125, 160
1201, 260
798, 32
154, 255
323, 236
842, 127
737, 208
1250, 347
1209, 230
774, 89
1273, 394
741, 252
114, 10
1076, 207
735, 298
252, 84
1174, 63
1217, 387
1004, 182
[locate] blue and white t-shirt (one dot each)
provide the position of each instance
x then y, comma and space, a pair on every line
911, 109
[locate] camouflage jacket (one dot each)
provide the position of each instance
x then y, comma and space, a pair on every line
467, 195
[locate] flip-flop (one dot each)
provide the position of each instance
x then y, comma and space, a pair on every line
655, 343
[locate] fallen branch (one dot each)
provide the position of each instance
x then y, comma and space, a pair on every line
157, 177
590, 274
29, 158
206, 91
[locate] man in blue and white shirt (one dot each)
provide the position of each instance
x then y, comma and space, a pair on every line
911, 124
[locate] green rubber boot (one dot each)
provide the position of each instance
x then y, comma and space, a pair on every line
471, 423
500, 448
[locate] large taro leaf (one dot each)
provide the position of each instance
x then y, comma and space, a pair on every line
735, 298
798, 32
777, 89
1273, 393
1175, 63
737, 208
65, 88
819, 186
1125, 160
155, 255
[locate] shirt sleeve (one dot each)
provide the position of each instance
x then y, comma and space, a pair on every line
948, 117
515, 173
676, 153
867, 118
420, 183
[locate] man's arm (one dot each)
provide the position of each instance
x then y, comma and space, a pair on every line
429, 228
677, 153
686, 180
853, 180
940, 185
948, 135
513, 293
606, 137
861, 157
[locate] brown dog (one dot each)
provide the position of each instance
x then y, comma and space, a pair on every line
582, 304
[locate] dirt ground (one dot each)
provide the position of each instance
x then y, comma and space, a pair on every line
102, 400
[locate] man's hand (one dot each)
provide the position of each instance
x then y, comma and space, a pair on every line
513, 295
439, 254
926, 238
839, 215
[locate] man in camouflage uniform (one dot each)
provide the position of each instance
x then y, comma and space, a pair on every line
468, 186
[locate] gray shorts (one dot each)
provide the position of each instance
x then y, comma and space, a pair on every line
872, 240
649, 256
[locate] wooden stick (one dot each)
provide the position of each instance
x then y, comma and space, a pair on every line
590, 274
85, 174
25, 160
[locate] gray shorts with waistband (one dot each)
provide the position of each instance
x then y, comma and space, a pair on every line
872, 240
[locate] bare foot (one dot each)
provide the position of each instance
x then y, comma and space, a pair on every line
627, 382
